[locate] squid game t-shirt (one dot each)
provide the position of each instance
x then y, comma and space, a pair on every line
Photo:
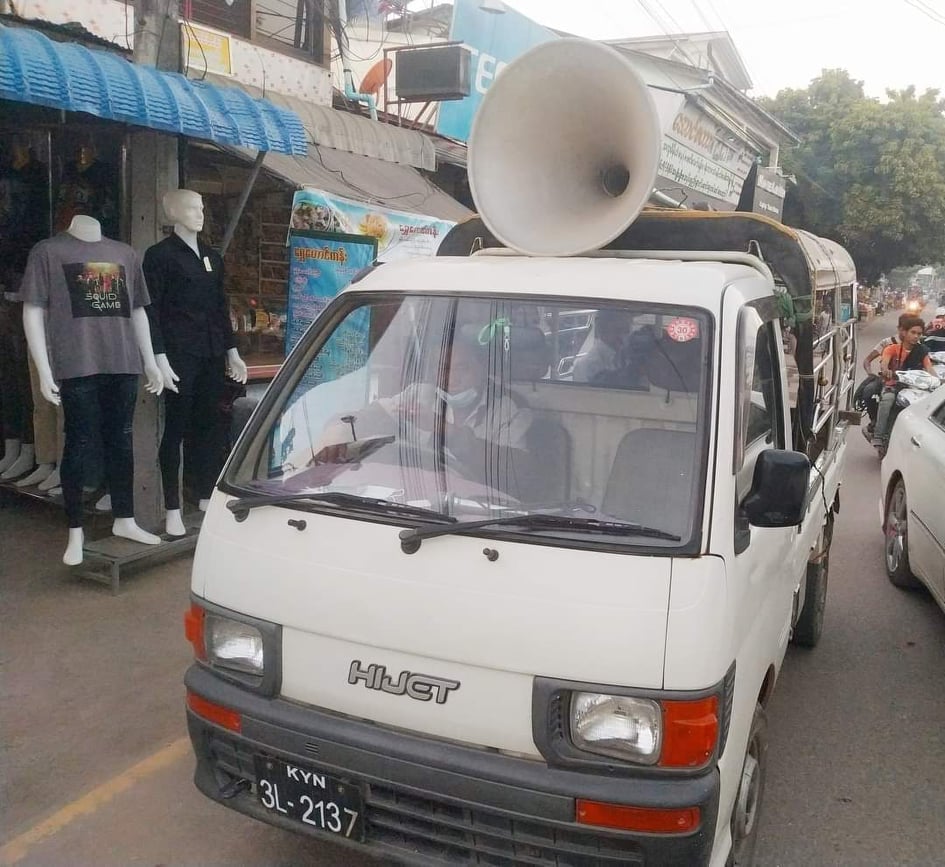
88, 290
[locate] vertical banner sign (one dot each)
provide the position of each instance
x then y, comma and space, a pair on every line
321, 264
770, 189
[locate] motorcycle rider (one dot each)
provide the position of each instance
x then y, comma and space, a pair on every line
877, 350
934, 337
869, 391
908, 354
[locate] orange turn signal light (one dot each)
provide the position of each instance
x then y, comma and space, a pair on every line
646, 820
194, 619
215, 713
690, 732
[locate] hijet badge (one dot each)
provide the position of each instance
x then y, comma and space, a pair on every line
421, 687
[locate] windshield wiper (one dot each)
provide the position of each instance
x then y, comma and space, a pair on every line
410, 539
241, 507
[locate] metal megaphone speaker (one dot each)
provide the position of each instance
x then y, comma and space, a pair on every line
564, 149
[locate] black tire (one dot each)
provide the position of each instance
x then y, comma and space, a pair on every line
896, 546
746, 812
810, 622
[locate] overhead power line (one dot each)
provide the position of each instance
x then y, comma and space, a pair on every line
717, 14
702, 15
928, 11
662, 26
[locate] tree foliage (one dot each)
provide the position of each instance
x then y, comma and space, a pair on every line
870, 173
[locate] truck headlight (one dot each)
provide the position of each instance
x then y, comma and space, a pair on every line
233, 645
617, 725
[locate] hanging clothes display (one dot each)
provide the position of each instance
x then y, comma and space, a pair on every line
89, 186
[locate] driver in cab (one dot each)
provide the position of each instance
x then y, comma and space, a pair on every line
472, 409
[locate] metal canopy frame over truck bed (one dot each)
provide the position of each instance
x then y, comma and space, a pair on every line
814, 274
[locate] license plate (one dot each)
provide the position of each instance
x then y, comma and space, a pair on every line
310, 797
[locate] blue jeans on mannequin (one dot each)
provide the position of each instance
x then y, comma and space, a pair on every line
94, 408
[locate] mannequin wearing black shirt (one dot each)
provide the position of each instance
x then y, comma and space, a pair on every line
194, 347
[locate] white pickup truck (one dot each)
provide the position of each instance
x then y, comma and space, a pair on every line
504, 567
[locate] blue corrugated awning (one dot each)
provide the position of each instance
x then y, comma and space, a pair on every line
37, 70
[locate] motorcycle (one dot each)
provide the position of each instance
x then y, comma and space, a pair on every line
911, 386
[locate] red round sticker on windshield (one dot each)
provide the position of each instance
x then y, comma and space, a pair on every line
682, 329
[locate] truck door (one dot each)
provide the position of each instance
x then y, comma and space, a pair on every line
763, 555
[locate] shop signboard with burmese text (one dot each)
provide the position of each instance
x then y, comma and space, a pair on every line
321, 264
704, 159
399, 235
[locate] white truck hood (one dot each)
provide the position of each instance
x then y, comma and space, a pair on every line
354, 607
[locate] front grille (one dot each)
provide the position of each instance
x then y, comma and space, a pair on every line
432, 827
479, 836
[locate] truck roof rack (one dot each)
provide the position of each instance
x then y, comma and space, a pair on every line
726, 256
800, 261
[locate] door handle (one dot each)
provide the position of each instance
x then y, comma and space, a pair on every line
915, 442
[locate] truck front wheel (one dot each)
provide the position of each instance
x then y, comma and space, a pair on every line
747, 810
810, 622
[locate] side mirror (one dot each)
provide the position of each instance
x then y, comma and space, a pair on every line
778, 495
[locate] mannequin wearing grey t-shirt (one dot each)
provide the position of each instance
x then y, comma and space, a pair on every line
88, 294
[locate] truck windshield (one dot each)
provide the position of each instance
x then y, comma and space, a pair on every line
465, 409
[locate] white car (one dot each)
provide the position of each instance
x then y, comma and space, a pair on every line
912, 494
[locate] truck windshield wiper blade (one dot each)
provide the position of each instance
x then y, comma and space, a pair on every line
241, 506
410, 539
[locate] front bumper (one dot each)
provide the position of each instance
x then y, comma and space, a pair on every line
431, 802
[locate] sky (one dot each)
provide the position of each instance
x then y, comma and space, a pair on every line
884, 43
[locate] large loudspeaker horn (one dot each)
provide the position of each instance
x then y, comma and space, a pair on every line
564, 149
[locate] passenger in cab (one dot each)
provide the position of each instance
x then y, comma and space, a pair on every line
607, 362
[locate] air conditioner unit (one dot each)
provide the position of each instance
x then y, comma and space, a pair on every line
432, 74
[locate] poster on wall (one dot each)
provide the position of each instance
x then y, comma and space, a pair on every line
399, 235
207, 48
321, 264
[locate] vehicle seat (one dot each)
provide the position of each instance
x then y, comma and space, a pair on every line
652, 479
529, 354
675, 366
547, 477
543, 474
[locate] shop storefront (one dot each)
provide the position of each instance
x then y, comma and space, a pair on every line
86, 132
328, 190
87, 127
